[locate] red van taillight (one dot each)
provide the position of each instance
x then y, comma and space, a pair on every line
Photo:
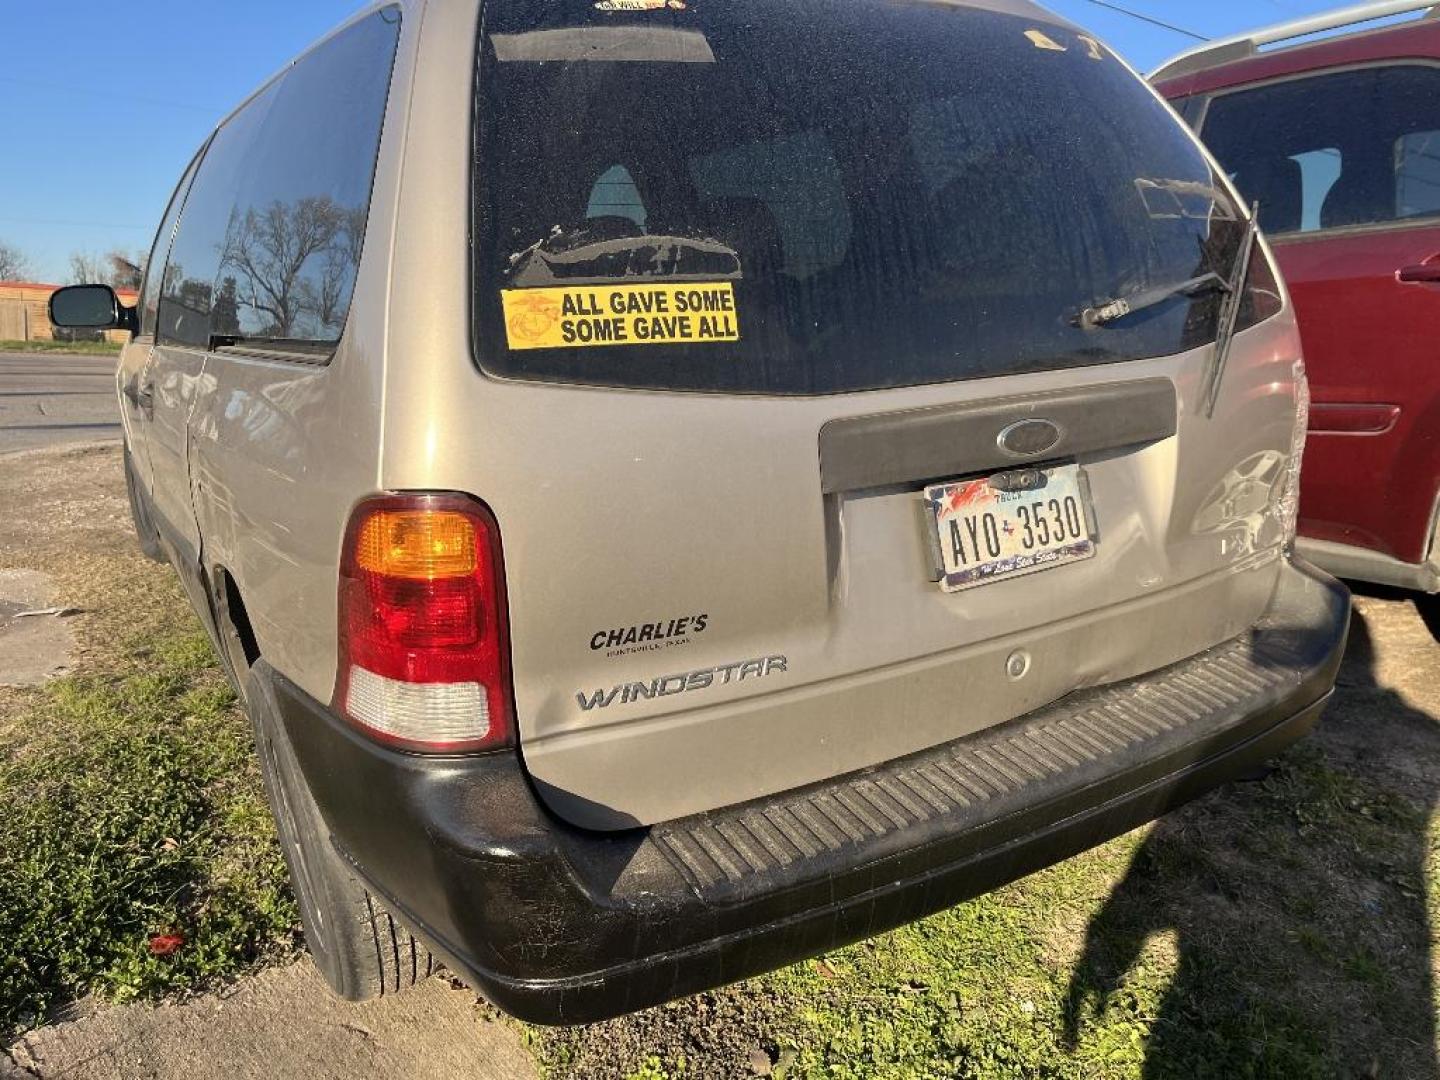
424, 650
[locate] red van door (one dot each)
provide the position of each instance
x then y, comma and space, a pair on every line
1369, 310
1346, 168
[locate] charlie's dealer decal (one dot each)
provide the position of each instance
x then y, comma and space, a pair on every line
574, 316
648, 637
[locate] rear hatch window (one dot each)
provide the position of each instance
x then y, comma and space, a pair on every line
815, 197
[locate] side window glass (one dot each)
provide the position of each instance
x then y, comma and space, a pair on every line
1319, 169
1417, 174
1334, 151
292, 240
160, 250
615, 195
270, 236
187, 292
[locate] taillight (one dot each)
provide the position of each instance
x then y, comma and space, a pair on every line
1287, 508
424, 654
1261, 296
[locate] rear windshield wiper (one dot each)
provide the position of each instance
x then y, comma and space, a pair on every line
1229, 313
1109, 311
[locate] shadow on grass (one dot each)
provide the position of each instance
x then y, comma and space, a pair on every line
1297, 905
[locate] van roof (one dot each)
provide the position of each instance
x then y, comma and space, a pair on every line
1299, 32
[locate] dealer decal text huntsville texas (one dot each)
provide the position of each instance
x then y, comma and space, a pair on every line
679, 684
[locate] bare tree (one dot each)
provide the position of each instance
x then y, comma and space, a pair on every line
328, 297
324, 298
125, 272
269, 249
13, 264
225, 308
87, 269
354, 228
115, 268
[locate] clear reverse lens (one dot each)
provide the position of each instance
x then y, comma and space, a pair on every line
1287, 508
432, 713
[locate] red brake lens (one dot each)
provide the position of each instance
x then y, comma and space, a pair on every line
424, 653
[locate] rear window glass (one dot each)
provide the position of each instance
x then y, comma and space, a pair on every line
815, 197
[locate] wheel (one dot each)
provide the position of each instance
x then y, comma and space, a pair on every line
145, 533
360, 949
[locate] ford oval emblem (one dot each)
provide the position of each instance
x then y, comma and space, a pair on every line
1026, 438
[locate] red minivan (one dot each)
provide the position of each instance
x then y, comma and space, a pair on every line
1338, 141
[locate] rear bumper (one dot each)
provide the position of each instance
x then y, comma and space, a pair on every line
558, 925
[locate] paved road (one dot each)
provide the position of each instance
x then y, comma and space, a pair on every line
48, 399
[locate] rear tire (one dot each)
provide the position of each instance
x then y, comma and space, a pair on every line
359, 948
145, 534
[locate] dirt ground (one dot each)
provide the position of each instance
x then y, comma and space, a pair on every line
1316, 889
279, 1023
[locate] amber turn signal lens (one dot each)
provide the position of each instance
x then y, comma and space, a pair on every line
424, 544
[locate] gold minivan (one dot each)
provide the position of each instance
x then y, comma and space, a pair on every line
681, 485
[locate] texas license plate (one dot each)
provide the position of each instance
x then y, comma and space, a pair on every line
1009, 524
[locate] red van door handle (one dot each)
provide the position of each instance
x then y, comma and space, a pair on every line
1420, 273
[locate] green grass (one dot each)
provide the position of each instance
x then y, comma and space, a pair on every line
1186, 950
84, 348
130, 806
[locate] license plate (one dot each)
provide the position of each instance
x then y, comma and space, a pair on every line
1009, 524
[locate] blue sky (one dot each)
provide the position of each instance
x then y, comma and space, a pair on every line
104, 103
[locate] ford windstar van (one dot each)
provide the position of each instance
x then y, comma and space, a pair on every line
683, 485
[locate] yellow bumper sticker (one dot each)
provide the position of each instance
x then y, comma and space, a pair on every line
577, 316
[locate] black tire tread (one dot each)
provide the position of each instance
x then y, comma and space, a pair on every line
359, 947
401, 959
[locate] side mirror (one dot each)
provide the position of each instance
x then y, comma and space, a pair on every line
90, 307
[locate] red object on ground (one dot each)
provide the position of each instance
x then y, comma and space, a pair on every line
165, 944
